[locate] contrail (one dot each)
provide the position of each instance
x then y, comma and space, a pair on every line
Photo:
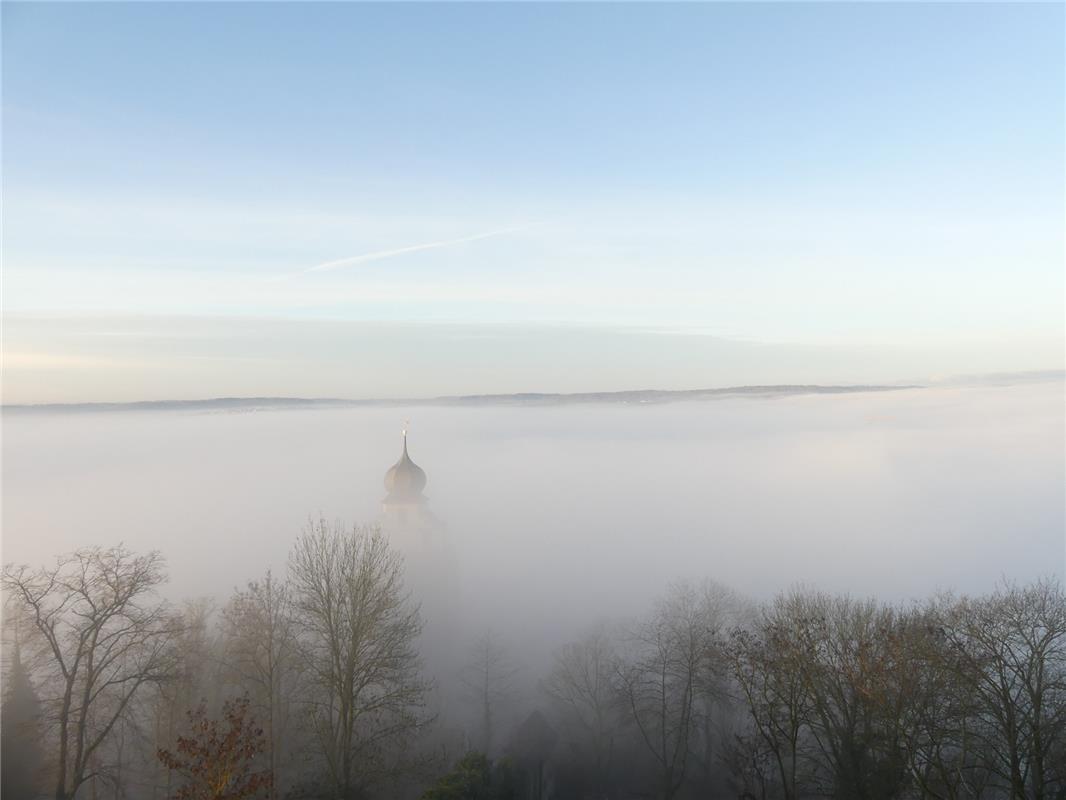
414, 248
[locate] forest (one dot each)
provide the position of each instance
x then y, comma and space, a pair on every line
314, 683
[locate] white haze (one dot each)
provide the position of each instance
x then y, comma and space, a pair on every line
559, 516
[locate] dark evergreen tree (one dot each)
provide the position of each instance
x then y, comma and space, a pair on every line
474, 777
20, 735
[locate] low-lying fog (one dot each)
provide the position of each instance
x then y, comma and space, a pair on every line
561, 515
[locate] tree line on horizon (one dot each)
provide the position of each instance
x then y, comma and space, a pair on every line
312, 687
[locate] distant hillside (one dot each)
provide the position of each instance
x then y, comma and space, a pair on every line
639, 396
650, 395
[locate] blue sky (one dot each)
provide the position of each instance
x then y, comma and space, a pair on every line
846, 182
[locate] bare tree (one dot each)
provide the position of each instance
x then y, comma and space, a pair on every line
583, 681
259, 652
1010, 649
935, 712
856, 678
488, 681
767, 667
104, 636
358, 630
673, 663
193, 677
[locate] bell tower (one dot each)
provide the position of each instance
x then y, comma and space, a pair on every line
404, 510
430, 567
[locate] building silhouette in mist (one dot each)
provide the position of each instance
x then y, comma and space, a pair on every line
420, 537
431, 574
405, 513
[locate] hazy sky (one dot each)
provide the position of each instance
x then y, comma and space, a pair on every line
371, 200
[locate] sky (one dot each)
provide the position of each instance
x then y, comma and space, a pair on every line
411, 200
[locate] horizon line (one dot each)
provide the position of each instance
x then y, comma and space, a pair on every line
962, 380
279, 402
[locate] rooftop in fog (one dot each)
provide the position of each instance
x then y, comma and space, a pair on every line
404, 480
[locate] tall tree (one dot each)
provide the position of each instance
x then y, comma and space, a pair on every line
488, 681
358, 631
1010, 648
583, 682
259, 651
104, 636
20, 734
935, 711
852, 674
767, 668
673, 661
194, 674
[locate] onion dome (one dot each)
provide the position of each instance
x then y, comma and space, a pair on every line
405, 480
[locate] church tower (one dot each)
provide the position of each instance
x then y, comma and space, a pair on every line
404, 510
430, 572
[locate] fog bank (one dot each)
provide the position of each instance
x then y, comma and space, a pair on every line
561, 515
